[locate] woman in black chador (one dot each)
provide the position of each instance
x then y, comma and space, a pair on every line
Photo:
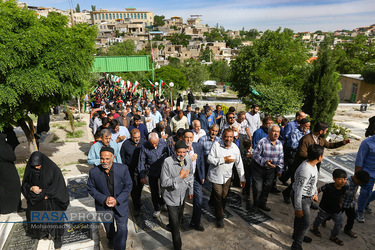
10, 186
44, 188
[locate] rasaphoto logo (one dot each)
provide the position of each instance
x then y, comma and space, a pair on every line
71, 217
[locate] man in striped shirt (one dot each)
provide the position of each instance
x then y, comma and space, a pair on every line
267, 156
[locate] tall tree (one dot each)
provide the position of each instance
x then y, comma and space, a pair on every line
126, 48
195, 74
220, 71
206, 54
93, 7
322, 87
42, 63
275, 61
159, 20
78, 9
180, 39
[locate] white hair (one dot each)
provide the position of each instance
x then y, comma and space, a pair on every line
153, 135
195, 122
236, 125
271, 126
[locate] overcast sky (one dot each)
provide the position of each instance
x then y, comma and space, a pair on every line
312, 15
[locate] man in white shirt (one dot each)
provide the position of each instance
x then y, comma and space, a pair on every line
149, 120
253, 118
197, 131
222, 156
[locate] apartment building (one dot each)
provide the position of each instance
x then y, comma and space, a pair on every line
101, 16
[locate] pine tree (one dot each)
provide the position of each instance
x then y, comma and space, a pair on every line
78, 9
322, 87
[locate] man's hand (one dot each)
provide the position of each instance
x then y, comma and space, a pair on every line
279, 174
202, 181
164, 136
243, 184
184, 173
346, 141
194, 157
144, 181
315, 198
228, 159
269, 164
190, 196
111, 202
249, 155
148, 120
35, 189
298, 213
218, 117
45, 197
120, 138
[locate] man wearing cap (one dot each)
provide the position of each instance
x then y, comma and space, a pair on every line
176, 178
93, 157
222, 157
110, 184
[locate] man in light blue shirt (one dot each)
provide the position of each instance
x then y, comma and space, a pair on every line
119, 133
366, 161
157, 116
94, 153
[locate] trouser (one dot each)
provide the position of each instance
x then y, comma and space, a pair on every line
262, 183
157, 200
136, 192
235, 177
350, 215
248, 179
274, 186
301, 225
175, 214
220, 193
197, 203
286, 192
366, 195
119, 238
337, 219
289, 156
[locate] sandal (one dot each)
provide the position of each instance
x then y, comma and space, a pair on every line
316, 232
337, 241
351, 234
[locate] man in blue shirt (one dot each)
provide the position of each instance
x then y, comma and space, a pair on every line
152, 155
141, 127
293, 124
262, 131
93, 157
204, 119
218, 114
366, 161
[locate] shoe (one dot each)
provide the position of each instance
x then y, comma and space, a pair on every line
164, 208
293, 247
286, 199
360, 217
156, 214
199, 228
255, 209
168, 228
265, 208
220, 223
275, 191
368, 209
110, 244
314, 206
306, 239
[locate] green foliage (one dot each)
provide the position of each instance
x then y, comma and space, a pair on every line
352, 57
79, 124
42, 61
339, 130
276, 65
179, 39
220, 71
78, 9
174, 62
224, 108
159, 20
77, 134
206, 54
21, 171
171, 74
368, 74
322, 88
249, 35
126, 48
195, 74
93, 7
233, 43
71, 119
214, 35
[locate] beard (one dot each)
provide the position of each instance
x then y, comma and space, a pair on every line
107, 165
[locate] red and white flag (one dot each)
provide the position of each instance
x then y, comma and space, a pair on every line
129, 84
135, 86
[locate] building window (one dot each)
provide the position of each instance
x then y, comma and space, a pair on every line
116, 15
128, 15
145, 24
102, 16
141, 15
96, 18
106, 16
138, 15
145, 16
121, 15
131, 15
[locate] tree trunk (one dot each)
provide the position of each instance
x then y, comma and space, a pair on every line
28, 128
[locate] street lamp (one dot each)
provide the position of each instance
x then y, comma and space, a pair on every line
171, 84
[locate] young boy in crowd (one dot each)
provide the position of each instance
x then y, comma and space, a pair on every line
304, 192
359, 178
331, 205
246, 155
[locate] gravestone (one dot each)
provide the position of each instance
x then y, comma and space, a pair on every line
77, 187
345, 161
76, 232
18, 240
244, 209
208, 211
145, 221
